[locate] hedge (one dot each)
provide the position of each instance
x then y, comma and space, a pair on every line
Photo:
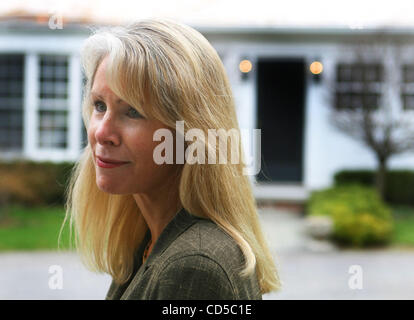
399, 188
33, 183
359, 216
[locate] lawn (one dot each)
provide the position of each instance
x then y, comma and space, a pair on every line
32, 228
38, 228
404, 226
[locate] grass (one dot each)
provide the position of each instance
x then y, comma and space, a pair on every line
403, 226
38, 228
32, 228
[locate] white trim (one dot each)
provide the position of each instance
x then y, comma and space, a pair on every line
38, 43
32, 46
43, 154
31, 89
72, 150
281, 192
75, 100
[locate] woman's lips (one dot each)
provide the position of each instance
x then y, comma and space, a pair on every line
108, 165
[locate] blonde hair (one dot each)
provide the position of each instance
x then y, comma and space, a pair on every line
173, 69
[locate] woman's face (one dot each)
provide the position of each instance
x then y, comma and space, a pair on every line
118, 132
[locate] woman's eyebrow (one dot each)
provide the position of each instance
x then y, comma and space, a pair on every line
119, 101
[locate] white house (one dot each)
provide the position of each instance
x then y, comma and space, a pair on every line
41, 89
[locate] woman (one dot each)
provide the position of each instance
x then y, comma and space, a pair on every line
172, 230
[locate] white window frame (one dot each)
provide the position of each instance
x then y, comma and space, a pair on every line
32, 104
32, 46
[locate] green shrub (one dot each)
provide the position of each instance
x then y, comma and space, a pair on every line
362, 176
32, 183
399, 187
360, 217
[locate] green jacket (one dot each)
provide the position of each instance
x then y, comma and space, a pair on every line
192, 259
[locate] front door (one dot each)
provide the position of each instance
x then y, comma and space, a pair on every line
280, 107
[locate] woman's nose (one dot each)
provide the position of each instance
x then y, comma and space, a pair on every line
107, 131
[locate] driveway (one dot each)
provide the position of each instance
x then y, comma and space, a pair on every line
308, 270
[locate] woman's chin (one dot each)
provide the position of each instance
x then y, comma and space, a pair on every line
109, 187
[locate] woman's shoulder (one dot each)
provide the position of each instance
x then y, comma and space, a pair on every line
206, 252
206, 238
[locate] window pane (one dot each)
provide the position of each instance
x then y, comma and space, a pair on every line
53, 128
53, 76
53, 108
408, 73
343, 100
353, 88
344, 73
373, 73
11, 101
371, 100
357, 73
408, 101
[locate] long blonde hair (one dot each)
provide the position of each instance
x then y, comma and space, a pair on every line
174, 72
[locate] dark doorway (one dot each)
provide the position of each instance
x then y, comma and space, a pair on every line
280, 107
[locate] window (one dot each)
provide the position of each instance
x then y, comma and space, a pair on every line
407, 88
11, 101
53, 101
358, 85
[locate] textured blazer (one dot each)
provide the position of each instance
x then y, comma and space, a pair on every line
192, 259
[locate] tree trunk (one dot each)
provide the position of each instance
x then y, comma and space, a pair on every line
380, 182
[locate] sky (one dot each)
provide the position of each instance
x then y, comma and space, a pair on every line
264, 13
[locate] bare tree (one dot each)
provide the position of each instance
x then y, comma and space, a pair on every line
367, 104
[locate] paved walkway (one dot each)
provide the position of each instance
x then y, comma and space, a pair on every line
308, 270
25, 275
313, 270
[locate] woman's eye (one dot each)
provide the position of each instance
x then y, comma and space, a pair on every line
134, 113
97, 104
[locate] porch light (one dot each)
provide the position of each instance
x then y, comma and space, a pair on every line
316, 67
245, 66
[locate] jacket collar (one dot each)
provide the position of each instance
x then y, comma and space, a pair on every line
180, 222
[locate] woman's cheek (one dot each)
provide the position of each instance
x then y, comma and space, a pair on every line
145, 152
91, 136
91, 131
